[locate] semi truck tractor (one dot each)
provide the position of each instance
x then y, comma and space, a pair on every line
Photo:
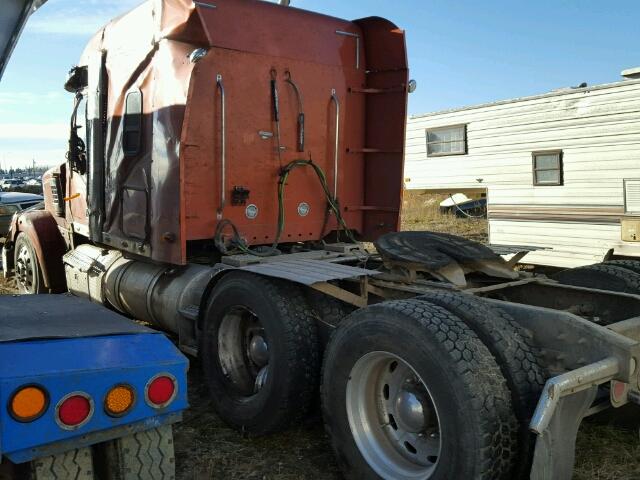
234, 177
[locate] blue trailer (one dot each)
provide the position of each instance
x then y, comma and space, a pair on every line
84, 392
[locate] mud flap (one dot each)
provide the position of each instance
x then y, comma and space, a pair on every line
554, 454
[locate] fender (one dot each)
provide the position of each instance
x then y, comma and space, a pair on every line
48, 243
219, 270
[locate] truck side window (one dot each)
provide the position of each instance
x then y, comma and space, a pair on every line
132, 124
77, 154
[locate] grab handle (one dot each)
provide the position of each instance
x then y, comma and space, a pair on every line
334, 98
223, 146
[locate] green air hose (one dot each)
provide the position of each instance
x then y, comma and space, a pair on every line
273, 250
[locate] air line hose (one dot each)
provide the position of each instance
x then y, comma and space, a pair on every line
333, 206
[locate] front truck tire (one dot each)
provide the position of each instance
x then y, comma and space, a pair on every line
260, 352
410, 392
27, 268
145, 455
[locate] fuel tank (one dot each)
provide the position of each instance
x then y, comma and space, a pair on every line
142, 290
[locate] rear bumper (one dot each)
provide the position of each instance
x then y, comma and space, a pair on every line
594, 364
92, 365
28, 454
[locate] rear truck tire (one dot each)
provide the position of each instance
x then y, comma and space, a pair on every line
145, 455
260, 352
329, 312
410, 392
601, 276
27, 268
74, 464
512, 347
631, 265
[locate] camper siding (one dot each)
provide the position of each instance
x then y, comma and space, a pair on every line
598, 131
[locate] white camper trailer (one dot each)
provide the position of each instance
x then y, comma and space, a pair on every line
561, 170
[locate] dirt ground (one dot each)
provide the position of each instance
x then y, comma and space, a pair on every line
207, 449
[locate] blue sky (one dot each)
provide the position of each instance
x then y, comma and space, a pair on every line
461, 53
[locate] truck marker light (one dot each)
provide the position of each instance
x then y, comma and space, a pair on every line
161, 390
119, 400
28, 403
74, 410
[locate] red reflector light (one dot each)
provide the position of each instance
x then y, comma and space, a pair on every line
161, 390
74, 410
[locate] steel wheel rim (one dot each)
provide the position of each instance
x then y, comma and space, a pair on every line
398, 438
243, 351
24, 269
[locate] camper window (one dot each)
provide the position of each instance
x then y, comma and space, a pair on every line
547, 168
447, 141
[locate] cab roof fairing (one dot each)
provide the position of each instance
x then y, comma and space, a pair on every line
147, 50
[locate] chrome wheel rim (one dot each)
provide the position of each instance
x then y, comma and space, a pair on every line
393, 418
24, 269
243, 351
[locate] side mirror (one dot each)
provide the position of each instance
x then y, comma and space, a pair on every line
77, 79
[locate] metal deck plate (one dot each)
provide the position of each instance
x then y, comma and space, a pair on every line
29, 317
308, 271
510, 249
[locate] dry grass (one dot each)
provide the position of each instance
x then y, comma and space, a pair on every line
208, 449
608, 451
421, 211
7, 287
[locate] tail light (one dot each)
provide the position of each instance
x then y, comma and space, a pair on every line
161, 390
119, 400
28, 403
74, 410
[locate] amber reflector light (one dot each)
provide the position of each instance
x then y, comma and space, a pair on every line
28, 403
119, 400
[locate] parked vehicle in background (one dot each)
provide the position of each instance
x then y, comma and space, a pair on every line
33, 182
462, 206
9, 183
13, 202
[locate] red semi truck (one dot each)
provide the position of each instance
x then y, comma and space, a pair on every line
227, 158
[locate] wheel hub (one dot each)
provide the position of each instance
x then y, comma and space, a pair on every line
411, 412
243, 351
259, 350
261, 379
24, 268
